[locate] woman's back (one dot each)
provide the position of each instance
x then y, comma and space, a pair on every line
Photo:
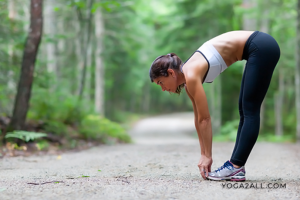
230, 45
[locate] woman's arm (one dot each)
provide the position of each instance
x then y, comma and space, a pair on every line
196, 121
203, 120
196, 91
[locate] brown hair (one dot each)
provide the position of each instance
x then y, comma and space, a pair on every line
161, 65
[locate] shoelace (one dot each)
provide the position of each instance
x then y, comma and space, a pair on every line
222, 167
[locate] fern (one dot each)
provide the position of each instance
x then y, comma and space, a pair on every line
25, 135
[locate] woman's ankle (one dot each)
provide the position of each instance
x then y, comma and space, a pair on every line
236, 166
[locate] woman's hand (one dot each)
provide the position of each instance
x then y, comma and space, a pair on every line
205, 165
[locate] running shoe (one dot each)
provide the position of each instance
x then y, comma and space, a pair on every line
228, 172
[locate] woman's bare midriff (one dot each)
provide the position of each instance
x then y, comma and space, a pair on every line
230, 45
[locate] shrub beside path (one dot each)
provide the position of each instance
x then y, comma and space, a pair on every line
161, 164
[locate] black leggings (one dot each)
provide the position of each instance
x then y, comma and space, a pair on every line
262, 54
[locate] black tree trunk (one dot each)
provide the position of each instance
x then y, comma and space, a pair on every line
26, 77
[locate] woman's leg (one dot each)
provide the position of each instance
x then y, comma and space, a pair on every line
241, 114
264, 56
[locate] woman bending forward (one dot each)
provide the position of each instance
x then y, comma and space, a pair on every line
262, 54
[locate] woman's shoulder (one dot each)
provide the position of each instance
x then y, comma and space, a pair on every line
195, 67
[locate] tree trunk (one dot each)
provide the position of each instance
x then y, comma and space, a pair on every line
12, 16
249, 23
99, 71
11, 9
219, 106
25, 15
264, 27
215, 105
214, 96
297, 72
133, 102
28, 62
278, 104
78, 53
146, 99
87, 89
86, 42
61, 49
50, 31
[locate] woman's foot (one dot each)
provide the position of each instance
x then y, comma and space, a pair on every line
228, 172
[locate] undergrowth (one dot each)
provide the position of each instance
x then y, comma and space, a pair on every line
229, 133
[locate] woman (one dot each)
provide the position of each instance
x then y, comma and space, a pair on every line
262, 54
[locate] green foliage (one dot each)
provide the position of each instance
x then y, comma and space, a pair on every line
72, 143
270, 137
81, 4
228, 131
25, 135
12, 40
56, 127
97, 127
107, 5
60, 107
42, 145
136, 32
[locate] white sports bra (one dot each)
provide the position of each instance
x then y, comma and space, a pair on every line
216, 64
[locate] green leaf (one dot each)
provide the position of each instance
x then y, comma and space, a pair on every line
25, 135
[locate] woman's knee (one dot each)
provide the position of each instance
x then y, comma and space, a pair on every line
252, 115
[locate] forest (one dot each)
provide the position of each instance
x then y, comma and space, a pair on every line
79, 69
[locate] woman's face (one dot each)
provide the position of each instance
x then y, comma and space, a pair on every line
168, 83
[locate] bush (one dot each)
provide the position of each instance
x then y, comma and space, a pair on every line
56, 127
61, 109
269, 137
100, 128
228, 131
58, 106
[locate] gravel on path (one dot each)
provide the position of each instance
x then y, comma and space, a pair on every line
154, 167
139, 171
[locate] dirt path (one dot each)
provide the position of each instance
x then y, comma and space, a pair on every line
158, 166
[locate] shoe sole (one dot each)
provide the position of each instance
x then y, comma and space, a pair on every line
227, 178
